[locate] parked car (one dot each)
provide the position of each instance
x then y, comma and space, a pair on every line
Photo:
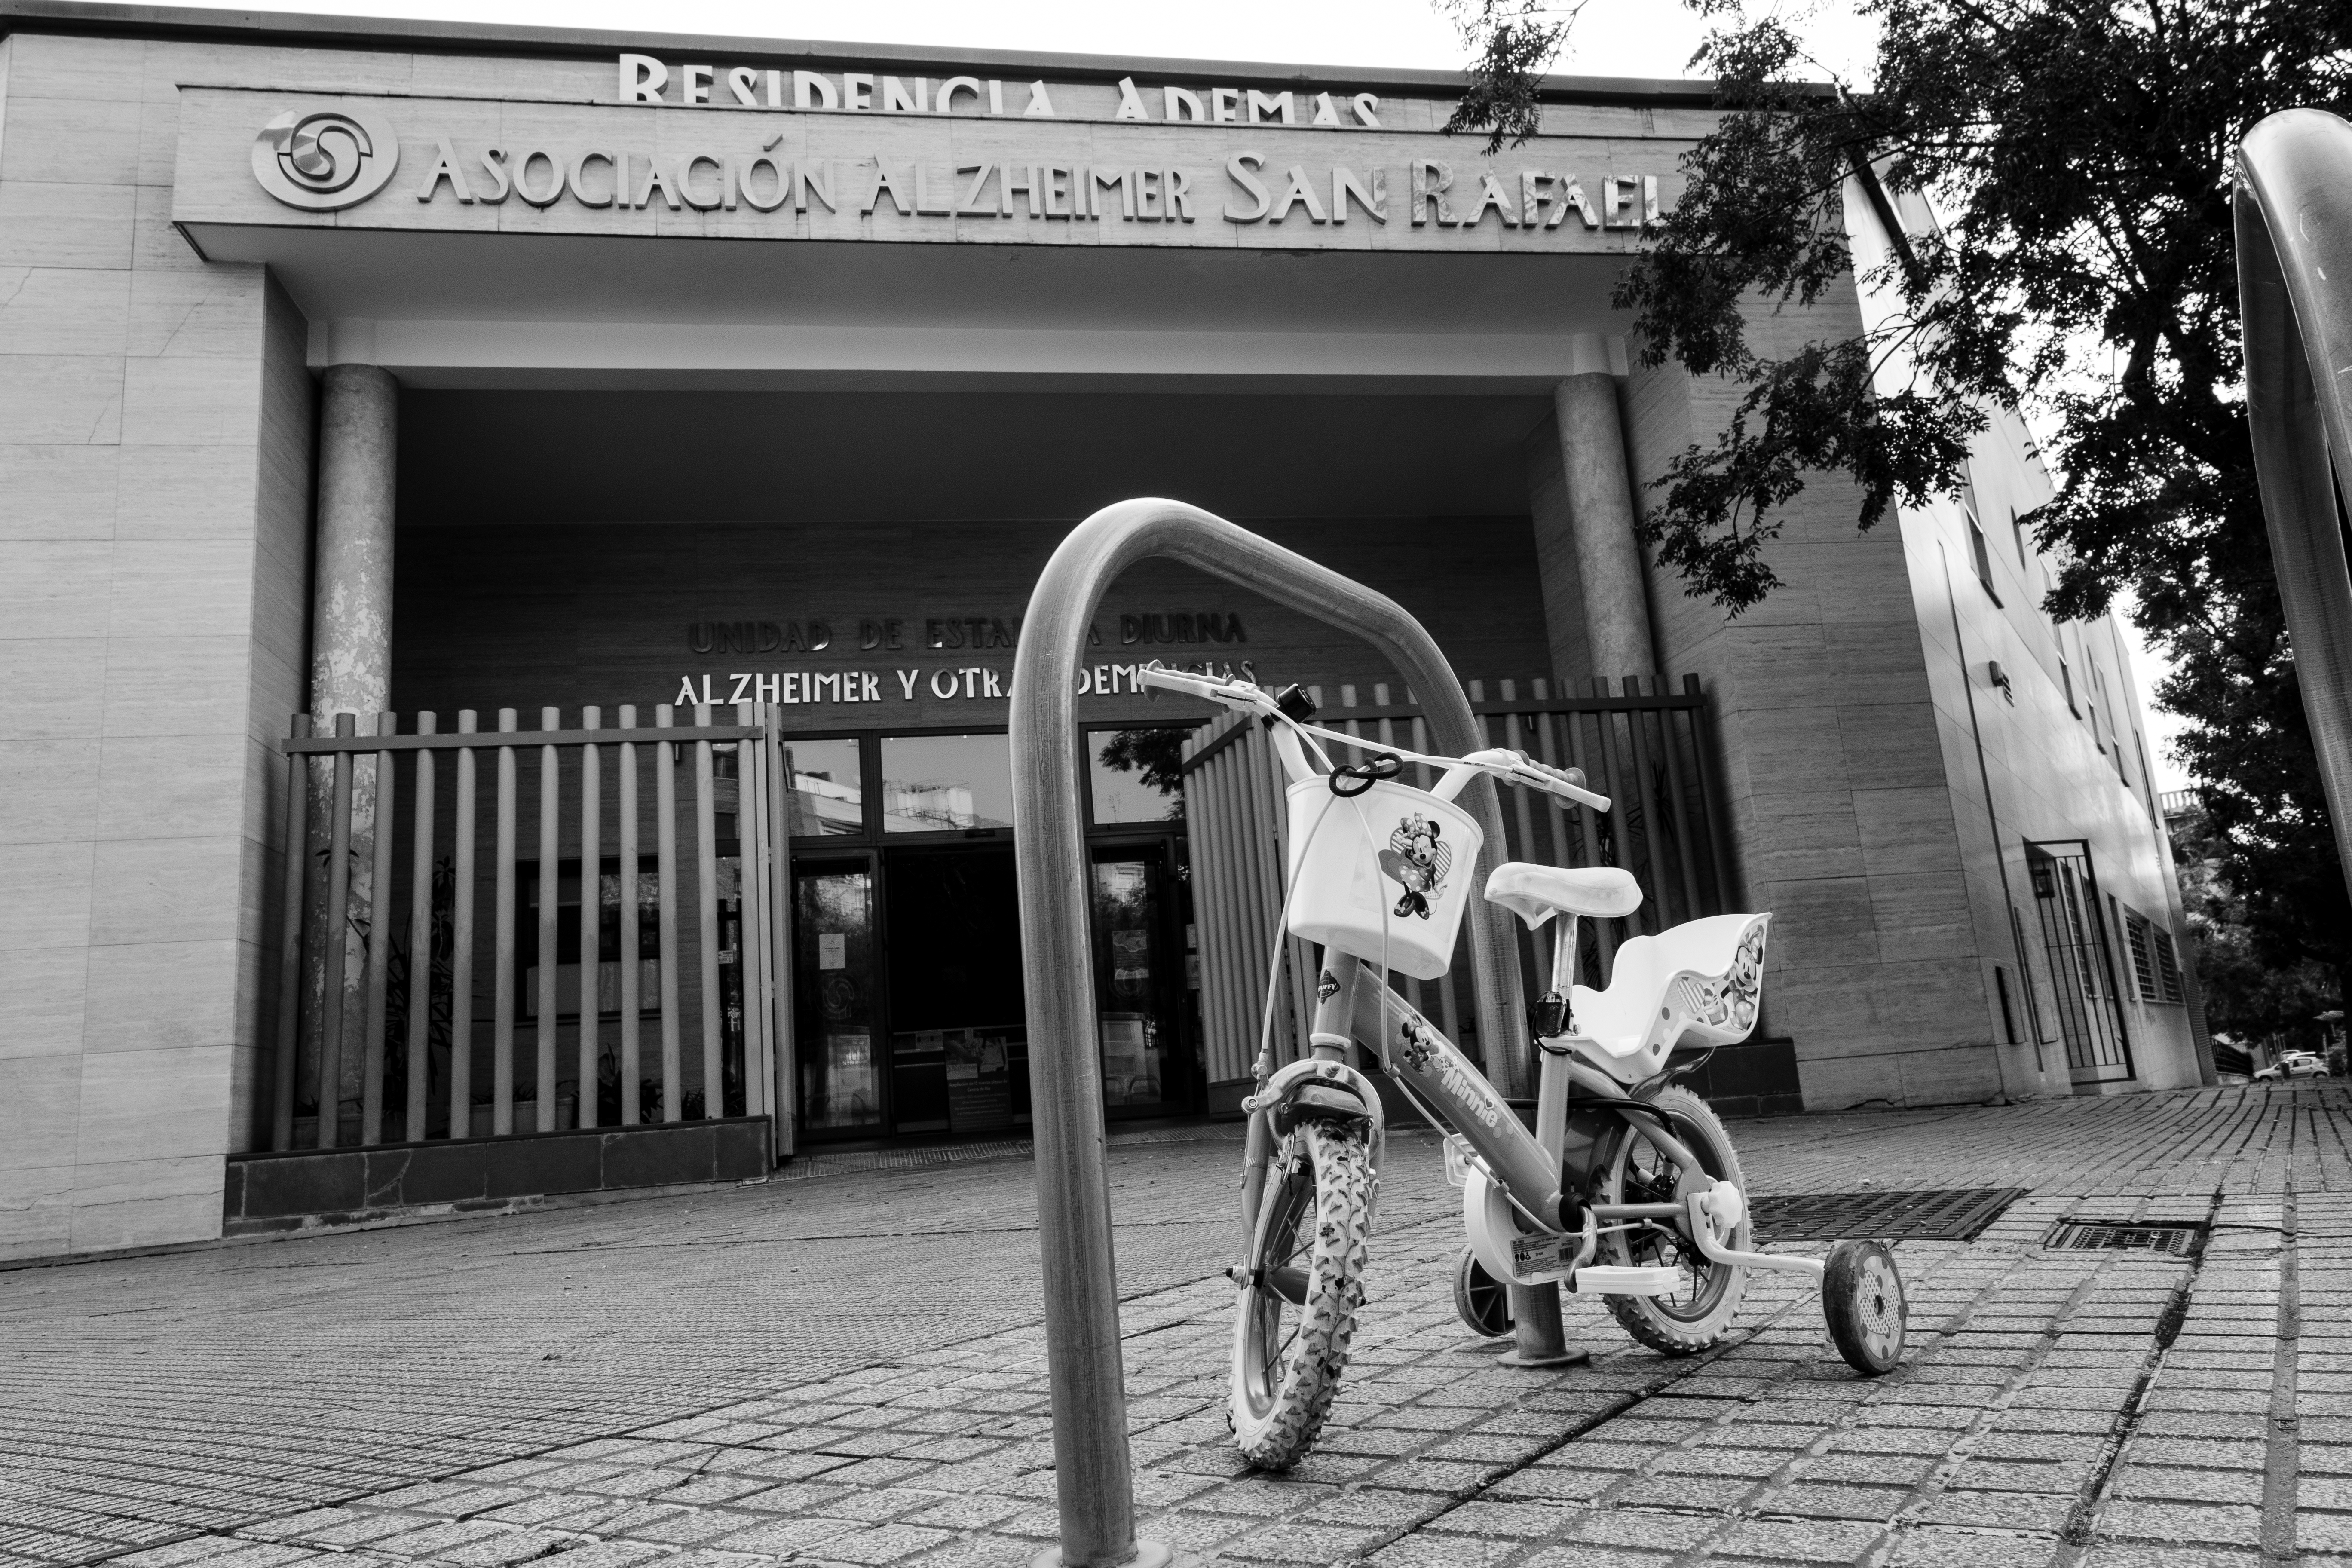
2294, 1064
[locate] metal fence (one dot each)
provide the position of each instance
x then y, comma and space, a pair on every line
1647, 746
622, 934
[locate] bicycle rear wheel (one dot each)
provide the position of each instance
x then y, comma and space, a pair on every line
1693, 1315
1299, 1299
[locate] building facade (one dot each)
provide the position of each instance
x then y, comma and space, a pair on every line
352, 368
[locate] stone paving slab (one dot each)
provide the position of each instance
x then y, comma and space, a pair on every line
847, 1368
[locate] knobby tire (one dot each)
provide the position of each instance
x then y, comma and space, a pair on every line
1315, 1219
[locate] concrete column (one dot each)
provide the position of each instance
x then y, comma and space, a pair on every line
350, 672
351, 606
1601, 514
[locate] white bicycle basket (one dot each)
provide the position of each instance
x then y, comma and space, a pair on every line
1384, 875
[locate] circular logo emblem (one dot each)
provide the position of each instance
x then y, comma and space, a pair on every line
321, 160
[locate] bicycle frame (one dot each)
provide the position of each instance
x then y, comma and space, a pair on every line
1355, 1008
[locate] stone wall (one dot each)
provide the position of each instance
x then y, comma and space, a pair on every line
154, 459
1835, 773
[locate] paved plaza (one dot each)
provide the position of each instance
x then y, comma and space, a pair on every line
846, 1367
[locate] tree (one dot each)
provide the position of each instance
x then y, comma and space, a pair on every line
2077, 156
2247, 995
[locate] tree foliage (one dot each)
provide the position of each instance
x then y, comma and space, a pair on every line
2249, 994
2076, 156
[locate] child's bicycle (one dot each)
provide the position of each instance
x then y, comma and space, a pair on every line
1628, 1189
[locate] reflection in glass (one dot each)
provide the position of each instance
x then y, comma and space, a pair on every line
827, 794
939, 783
833, 938
1135, 776
567, 940
1132, 1050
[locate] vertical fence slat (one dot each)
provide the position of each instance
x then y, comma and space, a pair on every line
461, 935
1257, 941
632, 1003
1218, 892
379, 968
1556, 809
1449, 1005
1709, 806
706, 922
1272, 844
1410, 986
1685, 852
750, 952
551, 914
592, 916
666, 860
420, 944
1620, 833
1255, 840
778, 889
786, 1078
503, 944
1605, 932
1515, 737
336, 936
293, 892
1637, 729
1246, 956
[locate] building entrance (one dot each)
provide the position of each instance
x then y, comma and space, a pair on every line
908, 1002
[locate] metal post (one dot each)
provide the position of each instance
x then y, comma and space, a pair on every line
1093, 1475
2294, 291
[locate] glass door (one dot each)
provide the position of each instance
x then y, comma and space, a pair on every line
839, 986
958, 1039
1138, 968
2081, 962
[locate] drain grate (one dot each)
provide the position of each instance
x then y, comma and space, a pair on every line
2102, 1236
1944, 1214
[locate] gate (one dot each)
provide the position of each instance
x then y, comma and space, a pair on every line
620, 933
2082, 962
1648, 750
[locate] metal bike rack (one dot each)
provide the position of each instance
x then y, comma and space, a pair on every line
2294, 211
1093, 1475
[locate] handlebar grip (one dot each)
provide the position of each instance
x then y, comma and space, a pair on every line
1168, 680
1574, 777
1231, 694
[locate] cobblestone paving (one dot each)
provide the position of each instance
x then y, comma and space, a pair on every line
847, 1369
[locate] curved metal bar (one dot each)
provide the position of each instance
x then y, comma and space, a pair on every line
1092, 1475
2294, 211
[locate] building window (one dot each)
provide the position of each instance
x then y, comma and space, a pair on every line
1982, 557
2143, 953
827, 796
2168, 966
1134, 775
2008, 1016
947, 783
2017, 532
2066, 680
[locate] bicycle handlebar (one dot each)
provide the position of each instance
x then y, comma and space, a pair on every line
1512, 767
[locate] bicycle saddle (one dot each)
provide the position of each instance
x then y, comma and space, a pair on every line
1535, 893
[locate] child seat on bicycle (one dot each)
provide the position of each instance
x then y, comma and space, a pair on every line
1695, 985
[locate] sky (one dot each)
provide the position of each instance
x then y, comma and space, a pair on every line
1611, 38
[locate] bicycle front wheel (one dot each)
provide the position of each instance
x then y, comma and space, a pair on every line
1298, 1300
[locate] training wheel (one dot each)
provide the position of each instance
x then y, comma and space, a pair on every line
1862, 1297
1484, 1301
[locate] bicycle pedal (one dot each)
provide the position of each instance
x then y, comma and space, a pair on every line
1604, 1279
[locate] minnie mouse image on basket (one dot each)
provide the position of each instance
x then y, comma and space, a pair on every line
1417, 861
